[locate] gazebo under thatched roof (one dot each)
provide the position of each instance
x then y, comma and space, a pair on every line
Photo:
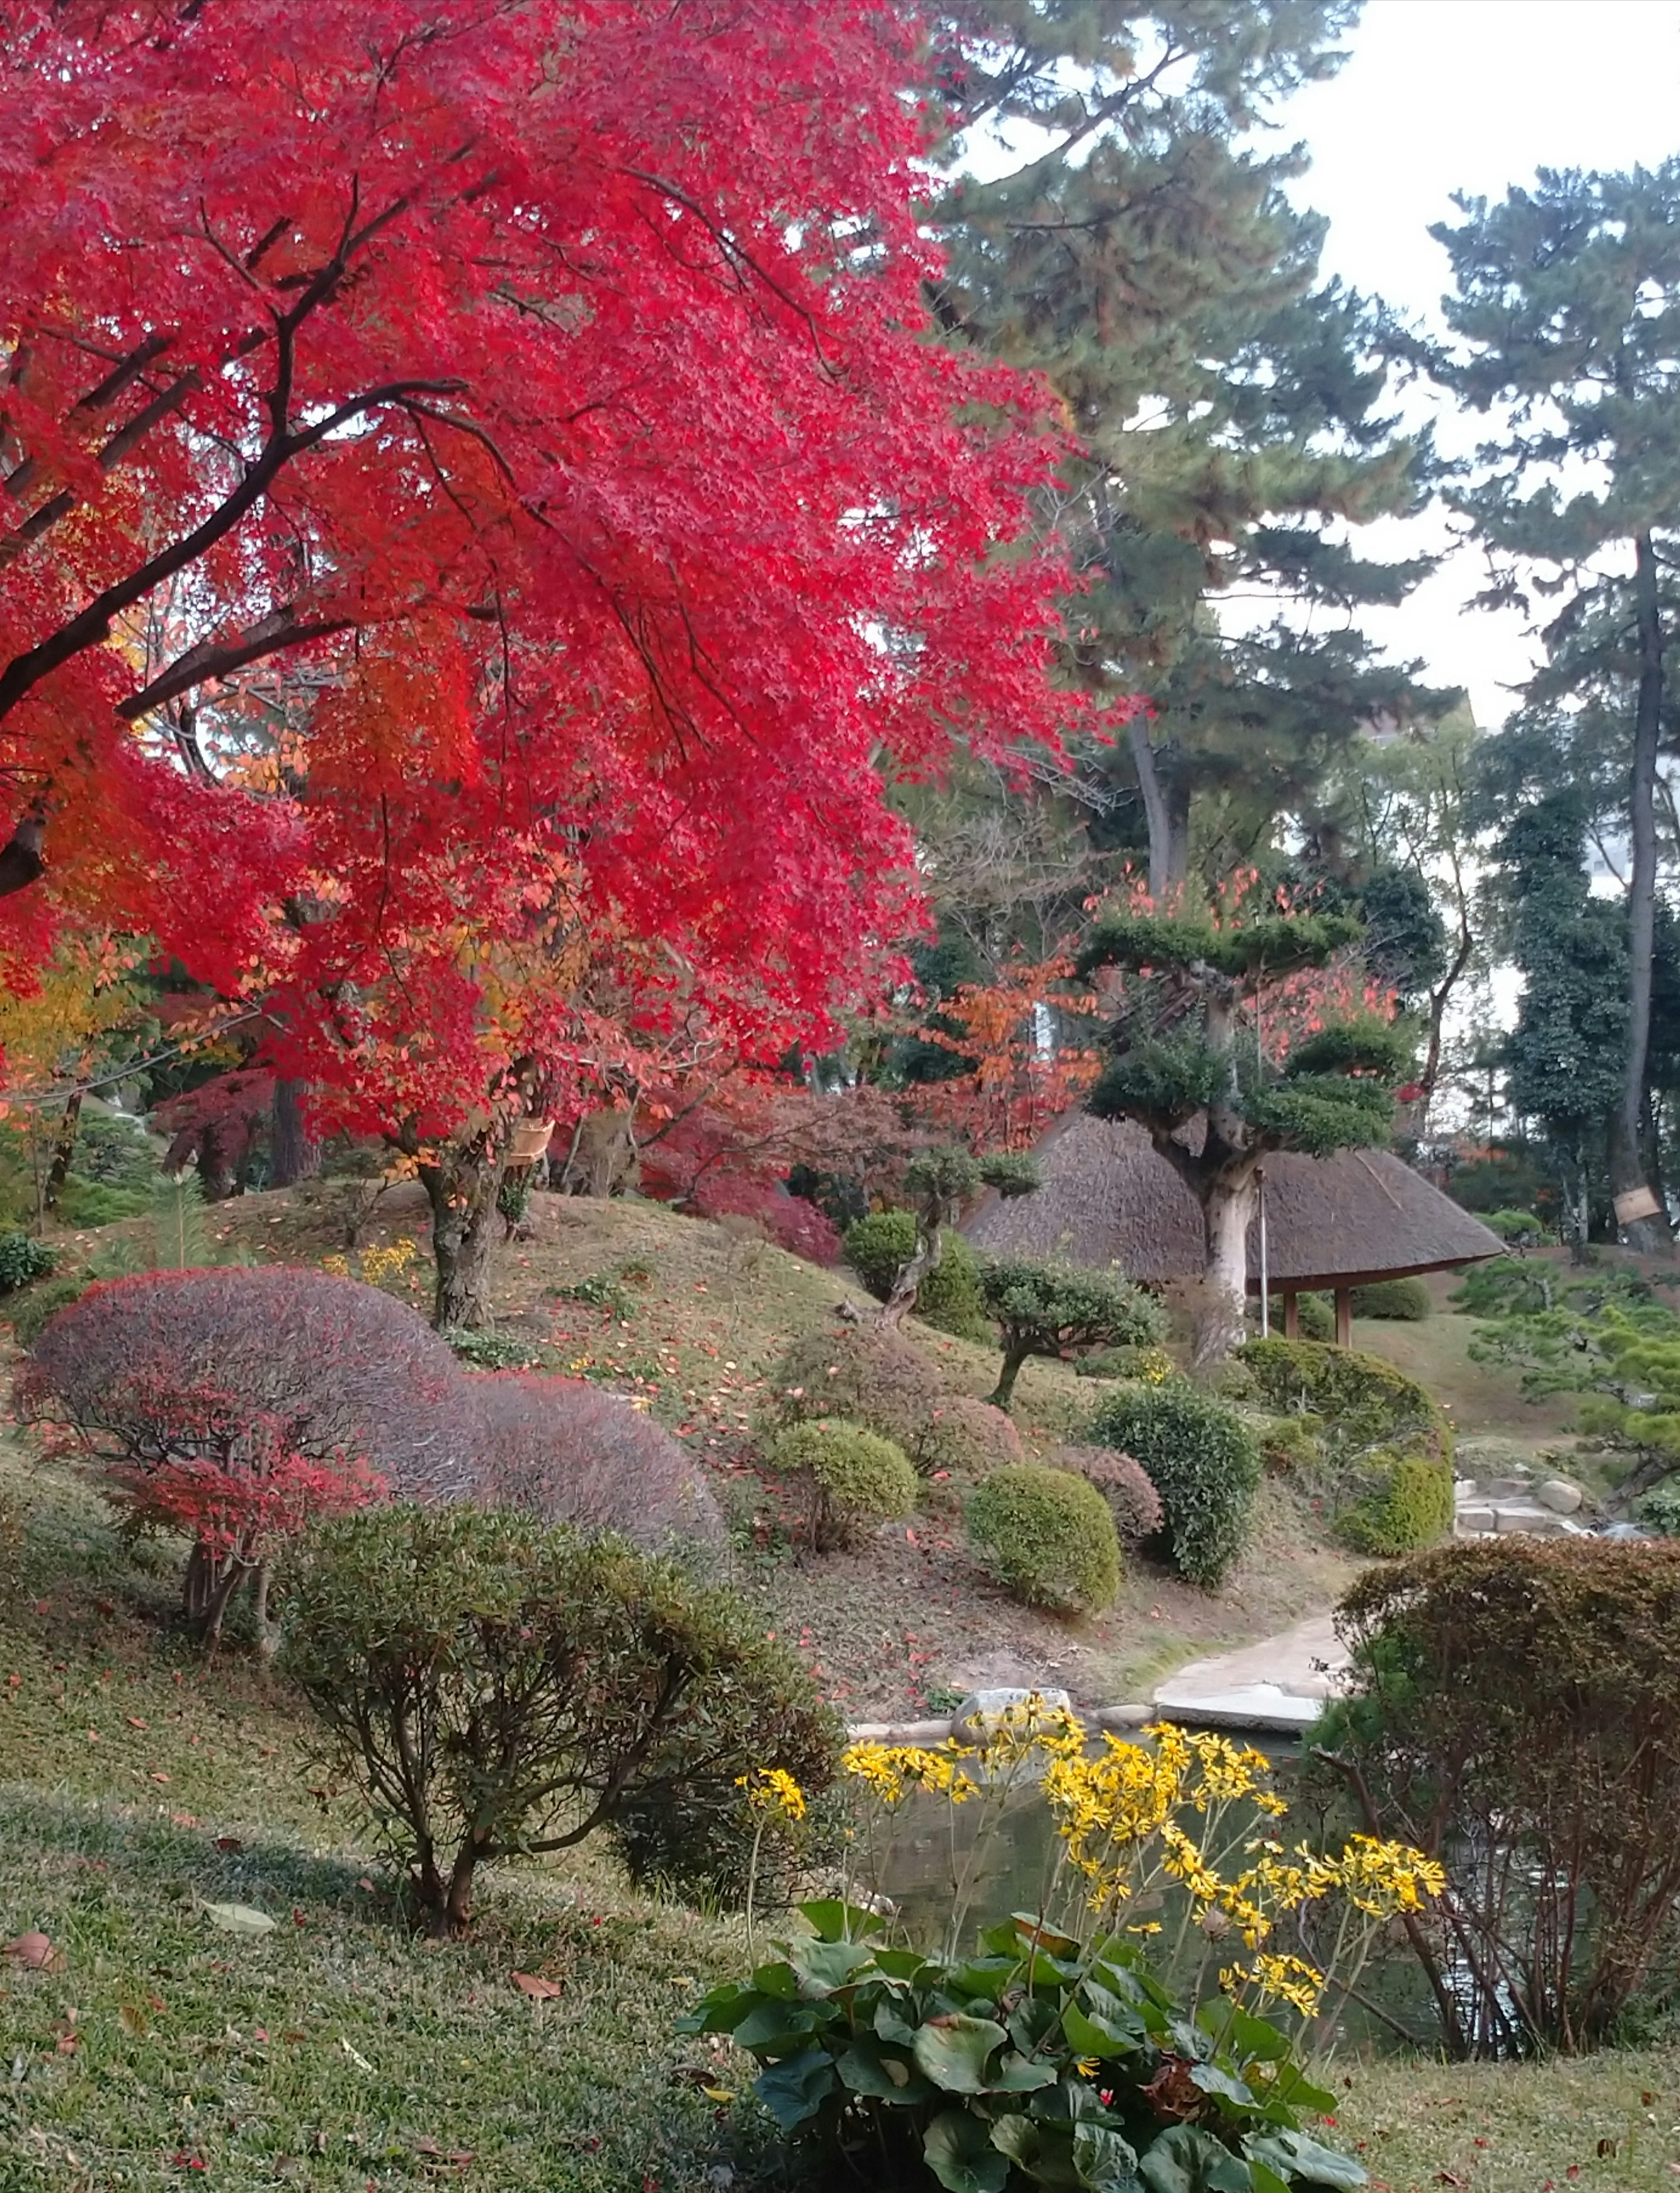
1332, 1223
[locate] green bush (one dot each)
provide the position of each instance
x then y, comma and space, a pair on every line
96, 1203
1289, 1446
1406, 1504
30, 1312
1522, 1227
1316, 1314
1403, 1302
1659, 1511
1202, 1459
1046, 1536
865, 1374
494, 1687
1363, 1401
879, 1246
23, 1259
856, 1478
967, 1438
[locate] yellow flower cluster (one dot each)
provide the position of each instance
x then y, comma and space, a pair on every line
1287, 1979
774, 1791
888, 1770
375, 1265
1387, 1879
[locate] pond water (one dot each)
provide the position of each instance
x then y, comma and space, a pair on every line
928, 1846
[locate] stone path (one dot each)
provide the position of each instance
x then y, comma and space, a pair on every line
1278, 1685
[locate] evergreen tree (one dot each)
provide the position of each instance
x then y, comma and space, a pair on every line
1187, 1065
1227, 409
1567, 312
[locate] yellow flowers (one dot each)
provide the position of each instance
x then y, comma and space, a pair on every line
377, 1266
1387, 1879
888, 1770
1285, 1979
773, 1790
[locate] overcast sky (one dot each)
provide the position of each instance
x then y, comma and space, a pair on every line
1445, 95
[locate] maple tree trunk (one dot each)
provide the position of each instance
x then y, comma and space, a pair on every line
294, 1153
1226, 1212
461, 1186
63, 1149
930, 1249
1627, 1165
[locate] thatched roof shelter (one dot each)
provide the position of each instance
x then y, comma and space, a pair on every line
1332, 1223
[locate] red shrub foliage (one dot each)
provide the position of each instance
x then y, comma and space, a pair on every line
789, 1220
239, 1367
567, 1452
1124, 1483
217, 1126
241, 1513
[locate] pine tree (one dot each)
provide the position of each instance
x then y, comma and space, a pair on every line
1224, 399
1187, 1064
1567, 316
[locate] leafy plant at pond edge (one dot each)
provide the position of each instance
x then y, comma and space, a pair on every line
1053, 2054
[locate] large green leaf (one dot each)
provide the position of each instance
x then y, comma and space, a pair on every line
831, 1920
953, 2051
1021, 2075
794, 2090
1307, 2159
958, 2149
1104, 2160
1236, 2093
823, 1966
1099, 2037
890, 2026
776, 2026
1266, 2178
1186, 2160
866, 2068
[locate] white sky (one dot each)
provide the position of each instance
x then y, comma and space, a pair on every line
1445, 95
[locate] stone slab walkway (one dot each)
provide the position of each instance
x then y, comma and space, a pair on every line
1278, 1685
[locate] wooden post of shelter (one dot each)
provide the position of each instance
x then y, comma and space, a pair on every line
1344, 1317
1291, 1315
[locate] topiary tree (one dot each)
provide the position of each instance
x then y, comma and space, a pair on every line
1401, 1504
1046, 1307
1404, 1301
1186, 1062
1046, 1536
938, 1182
1201, 1458
855, 1478
880, 1246
869, 1376
565, 1451
494, 1687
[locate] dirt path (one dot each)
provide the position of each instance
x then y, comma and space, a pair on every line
1279, 1684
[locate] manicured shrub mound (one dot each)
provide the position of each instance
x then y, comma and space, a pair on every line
1405, 1503
1363, 1401
563, 1450
1046, 1536
968, 1438
855, 1479
23, 1259
1201, 1458
180, 1363
1124, 1483
1405, 1302
491, 1686
1516, 1698
864, 1374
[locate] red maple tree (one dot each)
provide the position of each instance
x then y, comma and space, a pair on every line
477, 499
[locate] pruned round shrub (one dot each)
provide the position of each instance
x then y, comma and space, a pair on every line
1363, 1401
161, 1363
1315, 1314
29, 1313
1202, 1459
1522, 1227
1124, 1482
1403, 1302
23, 1259
967, 1438
494, 1687
1405, 1503
855, 1478
565, 1451
880, 1245
1046, 1536
867, 1374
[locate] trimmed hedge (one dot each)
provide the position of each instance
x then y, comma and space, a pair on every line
1406, 1504
864, 1374
1046, 1536
968, 1438
1363, 1401
1403, 1302
1202, 1459
856, 1479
